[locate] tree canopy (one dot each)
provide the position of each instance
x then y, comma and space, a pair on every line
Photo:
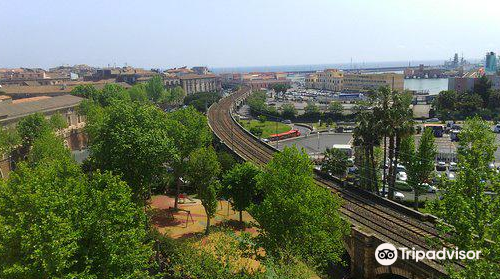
335, 162
55, 222
419, 162
204, 170
474, 215
32, 127
134, 141
240, 186
295, 208
482, 100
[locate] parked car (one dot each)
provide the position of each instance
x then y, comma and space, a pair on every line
402, 186
441, 166
450, 175
453, 166
398, 196
287, 121
401, 176
429, 188
496, 129
400, 168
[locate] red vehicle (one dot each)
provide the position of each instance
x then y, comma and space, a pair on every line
285, 135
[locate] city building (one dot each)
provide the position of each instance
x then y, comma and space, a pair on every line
461, 84
490, 64
466, 83
368, 82
11, 111
338, 81
26, 77
194, 83
28, 91
127, 74
256, 84
255, 80
329, 79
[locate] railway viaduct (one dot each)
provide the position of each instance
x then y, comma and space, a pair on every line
374, 220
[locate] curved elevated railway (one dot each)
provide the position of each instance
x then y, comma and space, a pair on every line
386, 220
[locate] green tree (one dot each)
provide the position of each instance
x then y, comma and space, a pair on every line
133, 140
138, 93
381, 108
311, 109
446, 100
111, 93
296, 216
74, 226
47, 148
262, 118
57, 122
9, 139
85, 91
240, 186
189, 131
177, 95
288, 111
280, 88
472, 214
31, 127
335, 162
336, 109
469, 104
256, 131
155, 89
204, 169
494, 100
419, 163
483, 88
202, 100
226, 161
400, 119
367, 136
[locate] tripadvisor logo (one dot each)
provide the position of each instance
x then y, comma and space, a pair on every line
387, 254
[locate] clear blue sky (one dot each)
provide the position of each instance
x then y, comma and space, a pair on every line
220, 33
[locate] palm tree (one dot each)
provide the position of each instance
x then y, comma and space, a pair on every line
367, 136
382, 102
402, 127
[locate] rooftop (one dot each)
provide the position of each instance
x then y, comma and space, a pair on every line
55, 89
21, 109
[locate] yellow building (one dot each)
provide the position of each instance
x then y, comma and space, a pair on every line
329, 79
337, 81
367, 82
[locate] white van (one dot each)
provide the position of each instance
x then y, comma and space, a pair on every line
346, 148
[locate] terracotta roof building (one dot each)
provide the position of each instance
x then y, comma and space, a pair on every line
11, 113
193, 83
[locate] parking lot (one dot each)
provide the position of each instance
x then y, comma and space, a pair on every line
314, 144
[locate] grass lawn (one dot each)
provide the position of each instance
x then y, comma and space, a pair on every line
268, 127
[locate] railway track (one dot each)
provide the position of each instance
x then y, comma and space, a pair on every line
388, 221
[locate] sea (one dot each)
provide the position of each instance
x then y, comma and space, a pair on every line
431, 85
